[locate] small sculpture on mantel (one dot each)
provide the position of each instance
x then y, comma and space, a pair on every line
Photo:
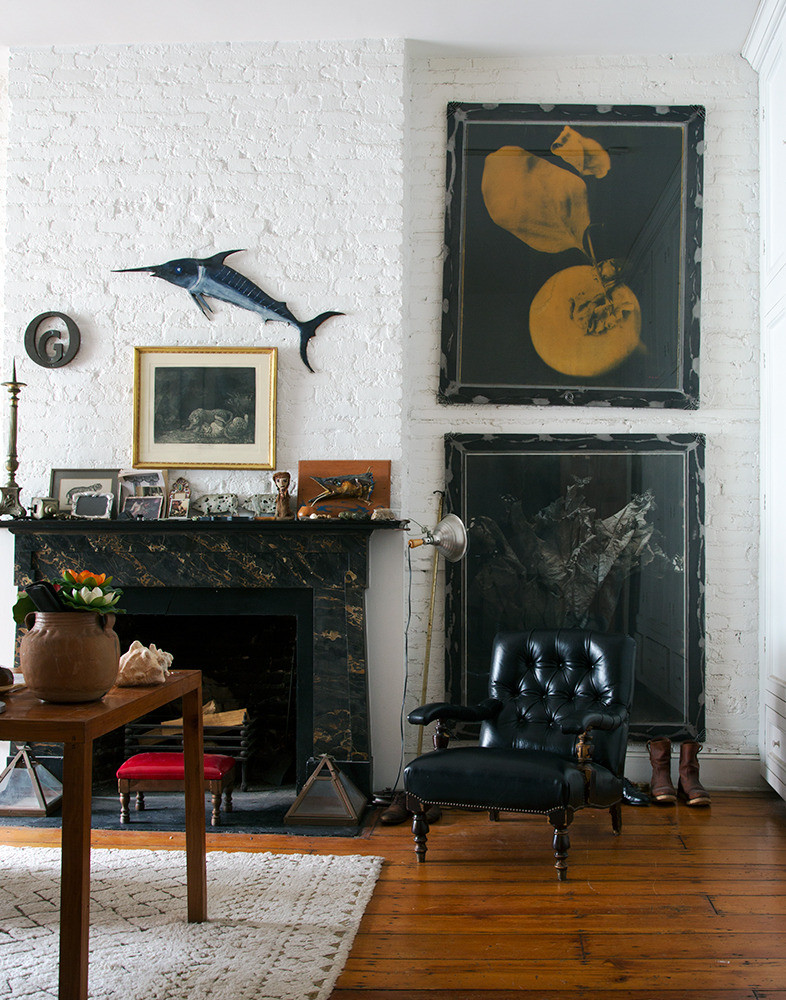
283, 504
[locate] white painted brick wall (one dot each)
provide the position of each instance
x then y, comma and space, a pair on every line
126, 156
133, 155
729, 347
327, 162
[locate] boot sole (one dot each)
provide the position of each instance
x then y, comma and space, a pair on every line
695, 802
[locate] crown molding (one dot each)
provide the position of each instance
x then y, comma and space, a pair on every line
765, 28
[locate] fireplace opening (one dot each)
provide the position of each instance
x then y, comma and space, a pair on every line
249, 685
254, 649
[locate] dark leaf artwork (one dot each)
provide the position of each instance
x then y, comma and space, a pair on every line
580, 531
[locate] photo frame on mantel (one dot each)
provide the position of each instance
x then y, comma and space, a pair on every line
66, 484
205, 407
573, 241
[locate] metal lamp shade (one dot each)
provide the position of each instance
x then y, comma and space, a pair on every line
449, 538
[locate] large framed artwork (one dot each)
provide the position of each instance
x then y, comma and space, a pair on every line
573, 249
601, 532
205, 407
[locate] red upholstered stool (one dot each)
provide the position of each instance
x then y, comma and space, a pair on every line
164, 772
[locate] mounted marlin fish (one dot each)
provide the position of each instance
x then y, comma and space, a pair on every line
210, 277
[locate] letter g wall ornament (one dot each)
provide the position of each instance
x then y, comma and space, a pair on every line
54, 347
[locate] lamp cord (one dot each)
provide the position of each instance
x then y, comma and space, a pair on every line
427, 656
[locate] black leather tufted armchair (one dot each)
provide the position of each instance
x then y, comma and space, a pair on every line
553, 734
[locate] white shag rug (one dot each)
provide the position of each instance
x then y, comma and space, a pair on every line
279, 926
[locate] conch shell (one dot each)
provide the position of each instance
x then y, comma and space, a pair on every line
143, 665
586, 155
544, 205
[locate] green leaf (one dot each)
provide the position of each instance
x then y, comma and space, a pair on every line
23, 607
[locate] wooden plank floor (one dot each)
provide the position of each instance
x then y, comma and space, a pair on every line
687, 903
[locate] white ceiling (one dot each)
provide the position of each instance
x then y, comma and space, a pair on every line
452, 27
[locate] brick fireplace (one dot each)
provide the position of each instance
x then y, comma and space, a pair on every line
314, 571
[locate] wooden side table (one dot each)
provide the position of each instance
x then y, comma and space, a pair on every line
76, 726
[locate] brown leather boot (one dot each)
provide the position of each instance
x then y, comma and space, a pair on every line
689, 787
397, 811
661, 788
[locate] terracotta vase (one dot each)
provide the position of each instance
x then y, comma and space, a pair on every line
69, 656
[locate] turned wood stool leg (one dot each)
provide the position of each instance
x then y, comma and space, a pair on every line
616, 818
215, 794
125, 798
140, 802
228, 798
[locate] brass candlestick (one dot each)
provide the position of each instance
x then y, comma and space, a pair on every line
9, 494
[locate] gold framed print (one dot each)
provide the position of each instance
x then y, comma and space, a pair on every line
205, 407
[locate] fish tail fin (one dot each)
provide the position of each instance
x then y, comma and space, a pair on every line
307, 331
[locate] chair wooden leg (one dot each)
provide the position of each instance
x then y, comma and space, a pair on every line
420, 828
616, 818
494, 815
561, 819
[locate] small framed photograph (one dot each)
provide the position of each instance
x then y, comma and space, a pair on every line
205, 407
93, 505
178, 505
66, 484
142, 508
138, 483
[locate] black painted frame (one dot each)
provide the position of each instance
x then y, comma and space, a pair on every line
647, 213
492, 479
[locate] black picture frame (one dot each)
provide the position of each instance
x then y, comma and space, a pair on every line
541, 308
603, 532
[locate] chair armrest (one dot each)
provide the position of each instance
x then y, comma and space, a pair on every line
442, 711
580, 722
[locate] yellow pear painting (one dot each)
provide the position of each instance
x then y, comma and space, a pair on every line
572, 255
583, 321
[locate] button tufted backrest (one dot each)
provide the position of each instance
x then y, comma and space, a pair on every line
543, 675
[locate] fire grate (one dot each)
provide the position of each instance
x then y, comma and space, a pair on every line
235, 737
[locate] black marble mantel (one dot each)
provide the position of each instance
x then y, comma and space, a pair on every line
322, 565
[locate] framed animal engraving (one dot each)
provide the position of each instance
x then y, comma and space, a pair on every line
573, 244
65, 485
205, 408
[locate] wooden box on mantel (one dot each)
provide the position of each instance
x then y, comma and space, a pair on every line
308, 489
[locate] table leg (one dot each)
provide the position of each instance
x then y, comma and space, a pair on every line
193, 761
75, 870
